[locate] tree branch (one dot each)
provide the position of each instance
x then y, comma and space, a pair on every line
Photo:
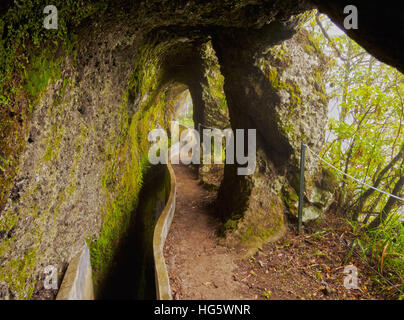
368, 192
325, 33
389, 205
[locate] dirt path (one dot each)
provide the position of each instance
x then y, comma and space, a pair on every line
309, 266
199, 268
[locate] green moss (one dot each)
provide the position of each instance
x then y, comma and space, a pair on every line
7, 222
291, 87
314, 43
295, 94
256, 234
230, 224
53, 142
66, 84
304, 18
274, 78
121, 192
216, 108
329, 180
127, 161
290, 198
27, 65
17, 273
37, 76
262, 224
308, 48
144, 76
63, 196
319, 85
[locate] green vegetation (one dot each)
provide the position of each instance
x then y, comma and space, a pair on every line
214, 77
123, 175
23, 37
186, 112
382, 247
17, 272
121, 182
37, 76
30, 57
278, 84
365, 140
365, 137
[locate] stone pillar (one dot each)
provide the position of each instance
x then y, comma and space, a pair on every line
272, 84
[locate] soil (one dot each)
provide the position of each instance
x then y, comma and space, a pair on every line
306, 266
198, 267
40, 293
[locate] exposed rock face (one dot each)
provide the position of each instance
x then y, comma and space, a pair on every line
215, 112
85, 143
278, 90
63, 185
378, 27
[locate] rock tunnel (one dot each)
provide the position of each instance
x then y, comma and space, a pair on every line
114, 71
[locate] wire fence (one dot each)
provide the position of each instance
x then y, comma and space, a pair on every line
351, 177
305, 146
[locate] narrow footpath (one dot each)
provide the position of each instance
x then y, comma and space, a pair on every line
308, 266
198, 267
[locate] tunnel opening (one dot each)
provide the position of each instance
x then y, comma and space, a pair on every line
184, 113
261, 88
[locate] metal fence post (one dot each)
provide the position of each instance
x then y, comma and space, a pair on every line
301, 191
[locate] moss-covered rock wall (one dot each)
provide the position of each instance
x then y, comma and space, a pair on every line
274, 86
77, 103
91, 97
